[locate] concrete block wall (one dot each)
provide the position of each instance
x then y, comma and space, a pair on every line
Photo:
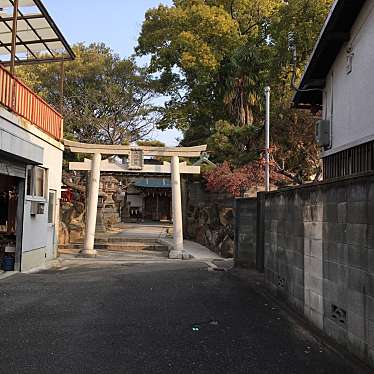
284, 246
313, 258
319, 256
245, 231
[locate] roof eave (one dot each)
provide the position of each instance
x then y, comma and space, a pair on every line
335, 33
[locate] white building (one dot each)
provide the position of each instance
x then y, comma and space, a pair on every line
30, 163
31, 132
341, 70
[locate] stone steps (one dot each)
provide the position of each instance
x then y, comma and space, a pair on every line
129, 246
132, 246
102, 252
117, 246
121, 240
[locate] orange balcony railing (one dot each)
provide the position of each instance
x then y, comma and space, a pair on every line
18, 98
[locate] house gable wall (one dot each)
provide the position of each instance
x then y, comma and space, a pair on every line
348, 99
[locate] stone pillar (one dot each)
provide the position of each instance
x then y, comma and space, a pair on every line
184, 193
91, 209
177, 251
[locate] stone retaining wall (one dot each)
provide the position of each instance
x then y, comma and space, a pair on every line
208, 218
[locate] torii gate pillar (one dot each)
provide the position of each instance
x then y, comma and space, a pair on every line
91, 212
177, 251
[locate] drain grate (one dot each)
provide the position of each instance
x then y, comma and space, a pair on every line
281, 282
338, 314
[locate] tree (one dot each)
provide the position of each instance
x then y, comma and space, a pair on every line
188, 43
298, 23
213, 59
150, 143
153, 143
107, 99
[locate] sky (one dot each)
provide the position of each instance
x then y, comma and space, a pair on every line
117, 23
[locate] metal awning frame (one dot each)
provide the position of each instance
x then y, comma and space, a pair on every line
49, 56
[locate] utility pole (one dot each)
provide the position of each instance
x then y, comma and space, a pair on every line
267, 139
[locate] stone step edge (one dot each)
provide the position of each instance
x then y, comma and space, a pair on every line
141, 252
129, 246
121, 240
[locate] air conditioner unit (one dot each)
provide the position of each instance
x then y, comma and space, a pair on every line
323, 133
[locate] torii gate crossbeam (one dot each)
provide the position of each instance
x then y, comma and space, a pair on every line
96, 165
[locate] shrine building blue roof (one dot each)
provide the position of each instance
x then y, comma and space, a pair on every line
153, 183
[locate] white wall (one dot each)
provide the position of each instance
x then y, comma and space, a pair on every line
38, 224
349, 98
35, 228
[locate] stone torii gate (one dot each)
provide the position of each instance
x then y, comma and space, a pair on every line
135, 164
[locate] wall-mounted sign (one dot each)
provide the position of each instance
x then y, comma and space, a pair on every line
136, 159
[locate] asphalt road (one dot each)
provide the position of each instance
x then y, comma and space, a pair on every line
151, 318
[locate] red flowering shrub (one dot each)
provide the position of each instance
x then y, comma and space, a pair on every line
224, 178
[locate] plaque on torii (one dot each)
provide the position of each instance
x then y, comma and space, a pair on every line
135, 164
136, 159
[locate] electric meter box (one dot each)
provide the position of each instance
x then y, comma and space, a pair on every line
323, 133
36, 208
